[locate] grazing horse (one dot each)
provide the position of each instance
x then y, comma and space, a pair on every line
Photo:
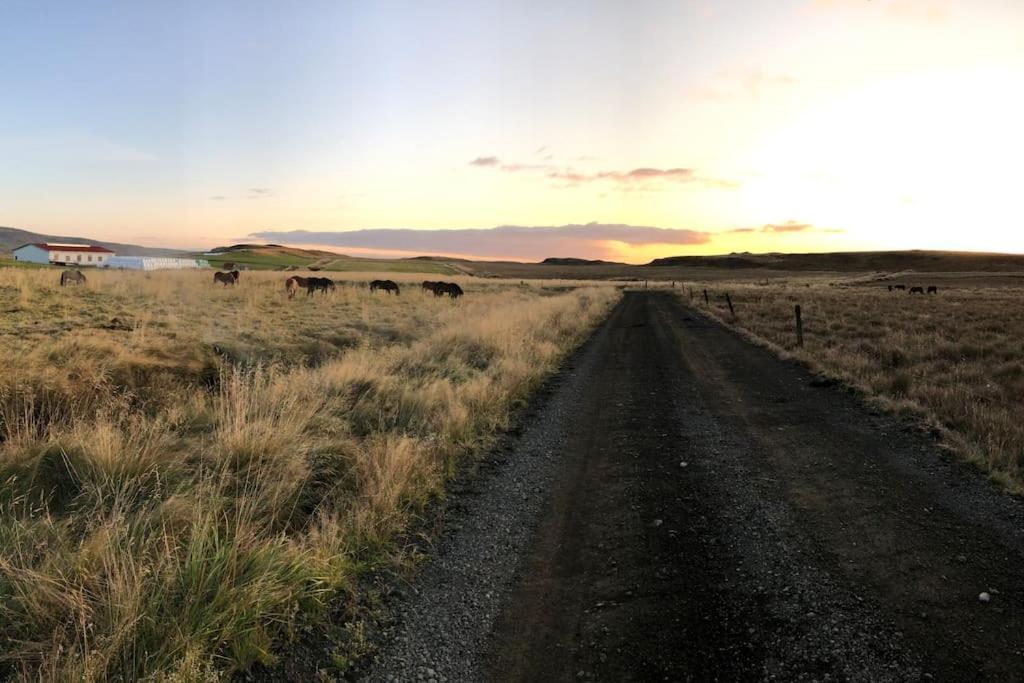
933, 289
430, 286
449, 288
292, 284
319, 284
72, 277
387, 285
900, 287
917, 290
226, 278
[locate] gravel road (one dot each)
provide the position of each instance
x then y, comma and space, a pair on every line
686, 506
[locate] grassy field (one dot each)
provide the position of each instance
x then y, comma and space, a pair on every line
191, 472
278, 259
954, 359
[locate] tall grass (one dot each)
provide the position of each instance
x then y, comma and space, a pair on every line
177, 491
953, 359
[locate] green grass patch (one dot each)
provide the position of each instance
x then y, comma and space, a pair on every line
381, 266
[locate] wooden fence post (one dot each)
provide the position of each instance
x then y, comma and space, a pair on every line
729, 301
706, 302
799, 328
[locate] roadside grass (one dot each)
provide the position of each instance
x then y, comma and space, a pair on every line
189, 472
953, 359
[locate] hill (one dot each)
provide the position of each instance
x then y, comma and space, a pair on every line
12, 238
863, 261
278, 257
567, 261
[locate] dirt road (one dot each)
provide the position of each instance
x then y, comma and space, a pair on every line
701, 510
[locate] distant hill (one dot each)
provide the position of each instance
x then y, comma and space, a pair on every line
555, 261
12, 238
863, 261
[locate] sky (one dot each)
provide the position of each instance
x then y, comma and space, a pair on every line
617, 130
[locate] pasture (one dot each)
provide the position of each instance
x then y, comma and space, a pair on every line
191, 472
954, 359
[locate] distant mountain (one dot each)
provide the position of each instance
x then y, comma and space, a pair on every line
857, 261
12, 238
567, 261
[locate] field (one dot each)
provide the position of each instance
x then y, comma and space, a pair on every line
279, 258
192, 472
953, 359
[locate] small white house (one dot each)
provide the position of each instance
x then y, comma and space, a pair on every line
63, 254
153, 263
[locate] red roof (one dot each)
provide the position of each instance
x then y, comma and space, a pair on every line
72, 247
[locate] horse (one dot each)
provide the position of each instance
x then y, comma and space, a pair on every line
226, 278
449, 288
72, 277
900, 287
917, 290
292, 284
387, 285
933, 289
429, 286
319, 284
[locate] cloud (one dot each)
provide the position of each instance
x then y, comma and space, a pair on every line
591, 240
790, 226
259, 192
640, 176
218, 197
644, 178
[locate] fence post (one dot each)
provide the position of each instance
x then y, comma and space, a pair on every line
729, 301
706, 302
799, 328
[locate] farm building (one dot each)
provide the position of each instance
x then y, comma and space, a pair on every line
154, 263
63, 254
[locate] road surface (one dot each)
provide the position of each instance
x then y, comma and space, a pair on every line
686, 506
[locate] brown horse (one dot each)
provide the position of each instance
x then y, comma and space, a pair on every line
917, 290
72, 277
226, 279
933, 289
387, 285
292, 284
429, 285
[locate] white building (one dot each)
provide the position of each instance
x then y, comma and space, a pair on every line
63, 254
153, 263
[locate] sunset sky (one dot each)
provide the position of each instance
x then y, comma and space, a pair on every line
623, 130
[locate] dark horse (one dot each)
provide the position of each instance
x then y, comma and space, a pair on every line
226, 278
449, 288
319, 284
933, 290
387, 285
917, 290
72, 277
292, 284
429, 285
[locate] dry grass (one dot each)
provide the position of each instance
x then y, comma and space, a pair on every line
954, 359
187, 469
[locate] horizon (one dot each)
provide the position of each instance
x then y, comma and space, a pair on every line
609, 132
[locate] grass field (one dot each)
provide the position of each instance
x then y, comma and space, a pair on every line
954, 359
278, 259
191, 472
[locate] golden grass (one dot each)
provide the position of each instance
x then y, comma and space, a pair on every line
953, 359
188, 470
